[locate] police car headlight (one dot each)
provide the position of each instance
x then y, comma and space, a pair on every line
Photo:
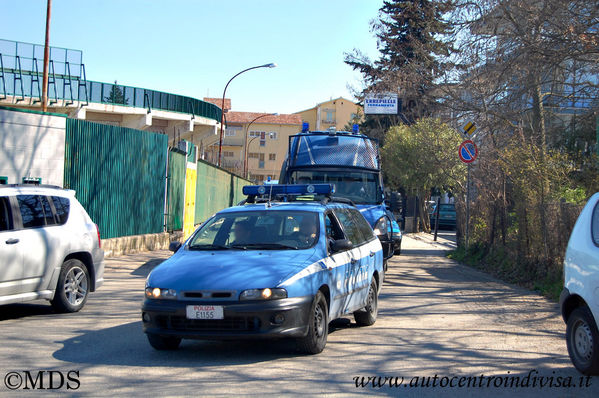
263, 294
157, 293
380, 228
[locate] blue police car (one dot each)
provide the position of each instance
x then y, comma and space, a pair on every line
284, 264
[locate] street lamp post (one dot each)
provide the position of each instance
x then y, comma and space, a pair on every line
220, 142
246, 144
246, 157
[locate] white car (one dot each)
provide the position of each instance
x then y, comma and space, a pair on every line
49, 247
579, 300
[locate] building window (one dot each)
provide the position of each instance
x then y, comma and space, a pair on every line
254, 155
273, 135
228, 154
272, 156
262, 142
330, 116
261, 134
231, 131
261, 164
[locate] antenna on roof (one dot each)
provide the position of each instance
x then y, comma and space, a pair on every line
269, 194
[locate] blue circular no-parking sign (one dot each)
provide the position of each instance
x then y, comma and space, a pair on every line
468, 151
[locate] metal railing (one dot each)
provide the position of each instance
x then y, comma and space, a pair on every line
20, 77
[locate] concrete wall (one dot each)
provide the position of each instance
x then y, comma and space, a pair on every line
32, 144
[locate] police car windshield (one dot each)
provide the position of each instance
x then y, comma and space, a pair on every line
258, 230
360, 187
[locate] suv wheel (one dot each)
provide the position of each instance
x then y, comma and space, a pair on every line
397, 251
72, 288
583, 341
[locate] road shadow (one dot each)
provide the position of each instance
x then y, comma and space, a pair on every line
127, 345
17, 311
145, 269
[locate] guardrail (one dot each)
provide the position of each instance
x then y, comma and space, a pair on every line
25, 85
21, 78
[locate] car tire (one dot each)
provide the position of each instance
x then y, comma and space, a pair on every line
397, 251
72, 288
162, 343
318, 327
367, 315
582, 339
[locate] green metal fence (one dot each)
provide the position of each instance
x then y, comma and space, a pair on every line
176, 190
216, 189
119, 176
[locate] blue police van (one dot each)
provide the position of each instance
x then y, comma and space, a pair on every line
349, 161
283, 264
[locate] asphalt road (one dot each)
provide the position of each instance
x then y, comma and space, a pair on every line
436, 318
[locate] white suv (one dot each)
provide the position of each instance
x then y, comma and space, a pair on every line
579, 300
49, 247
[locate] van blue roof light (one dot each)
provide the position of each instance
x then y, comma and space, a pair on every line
292, 189
305, 127
356, 128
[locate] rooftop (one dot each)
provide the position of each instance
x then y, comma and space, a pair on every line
219, 101
246, 117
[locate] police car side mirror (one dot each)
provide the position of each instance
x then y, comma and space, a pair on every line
341, 245
174, 246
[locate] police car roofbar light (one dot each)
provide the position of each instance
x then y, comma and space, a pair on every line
305, 127
292, 189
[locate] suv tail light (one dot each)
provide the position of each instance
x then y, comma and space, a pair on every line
99, 240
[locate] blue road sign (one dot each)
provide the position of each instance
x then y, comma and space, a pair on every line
468, 151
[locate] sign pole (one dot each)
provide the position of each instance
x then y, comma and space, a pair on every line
468, 207
468, 152
438, 210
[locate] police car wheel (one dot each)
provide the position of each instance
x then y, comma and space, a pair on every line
367, 315
582, 338
163, 343
318, 327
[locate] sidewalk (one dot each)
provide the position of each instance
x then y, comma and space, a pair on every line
445, 239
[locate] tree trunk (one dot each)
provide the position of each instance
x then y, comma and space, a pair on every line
540, 131
424, 218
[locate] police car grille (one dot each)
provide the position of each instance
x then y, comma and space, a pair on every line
246, 324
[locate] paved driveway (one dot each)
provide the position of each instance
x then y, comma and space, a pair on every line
437, 318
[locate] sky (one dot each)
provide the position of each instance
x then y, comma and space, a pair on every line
193, 48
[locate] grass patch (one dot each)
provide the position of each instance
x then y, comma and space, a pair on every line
499, 263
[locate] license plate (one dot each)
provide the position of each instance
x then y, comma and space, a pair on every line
204, 312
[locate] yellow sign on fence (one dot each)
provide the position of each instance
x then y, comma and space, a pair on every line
190, 199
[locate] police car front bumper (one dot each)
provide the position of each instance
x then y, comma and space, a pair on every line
253, 319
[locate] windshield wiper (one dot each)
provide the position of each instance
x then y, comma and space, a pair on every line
208, 247
266, 246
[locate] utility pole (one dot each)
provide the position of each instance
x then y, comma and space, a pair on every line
46, 60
